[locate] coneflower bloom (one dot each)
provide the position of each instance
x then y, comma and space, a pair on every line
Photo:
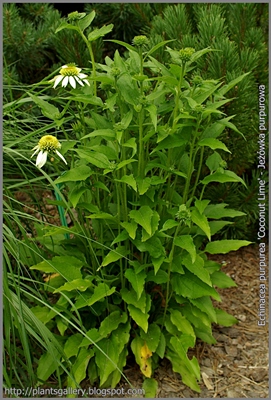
70, 74
47, 143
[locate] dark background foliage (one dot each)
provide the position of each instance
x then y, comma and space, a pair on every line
239, 31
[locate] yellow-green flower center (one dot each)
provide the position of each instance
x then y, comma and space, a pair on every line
70, 70
49, 142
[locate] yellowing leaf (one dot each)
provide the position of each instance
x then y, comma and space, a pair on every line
145, 352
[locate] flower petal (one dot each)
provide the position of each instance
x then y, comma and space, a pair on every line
41, 159
79, 81
72, 82
65, 81
61, 156
87, 82
58, 79
82, 76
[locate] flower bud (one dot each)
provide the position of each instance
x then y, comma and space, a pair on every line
140, 41
186, 54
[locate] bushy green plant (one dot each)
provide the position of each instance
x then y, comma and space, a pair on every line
133, 274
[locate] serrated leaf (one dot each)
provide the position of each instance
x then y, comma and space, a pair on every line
213, 144
111, 322
143, 217
150, 387
79, 367
105, 133
139, 317
67, 266
107, 359
182, 324
190, 286
137, 280
84, 23
76, 284
80, 173
129, 180
225, 246
97, 159
221, 280
180, 345
205, 305
201, 221
197, 268
226, 176
97, 33
71, 346
131, 228
225, 319
143, 185
186, 243
114, 255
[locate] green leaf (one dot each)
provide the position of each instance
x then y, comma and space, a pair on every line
76, 284
137, 280
180, 345
114, 255
100, 292
124, 44
201, 221
150, 387
213, 144
76, 194
182, 323
143, 217
79, 368
67, 266
186, 243
169, 224
214, 130
71, 346
80, 173
132, 144
205, 305
107, 359
65, 25
190, 286
231, 84
221, 280
157, 262
140, 318
101, 215
105, 133
213, 162
226, 176
87, 99
225, 319
217, 211
129, 180
131, 228
111, 322
86, 21
152, 110
143, 185
197, 268
171, 141
130, 297
201, 205
97, 33
128, 89
101, 185
97, 159
47, 365
120, 238
47, 109
225, 246
152, 245
156, 47
152, 337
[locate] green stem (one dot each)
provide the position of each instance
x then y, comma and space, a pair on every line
199, 170
92, 60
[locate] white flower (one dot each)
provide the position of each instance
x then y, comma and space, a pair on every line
46, 144
70, 74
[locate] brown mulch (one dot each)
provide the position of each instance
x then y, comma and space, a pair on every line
237, 366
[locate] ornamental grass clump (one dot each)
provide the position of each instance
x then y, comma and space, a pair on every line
134, 271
